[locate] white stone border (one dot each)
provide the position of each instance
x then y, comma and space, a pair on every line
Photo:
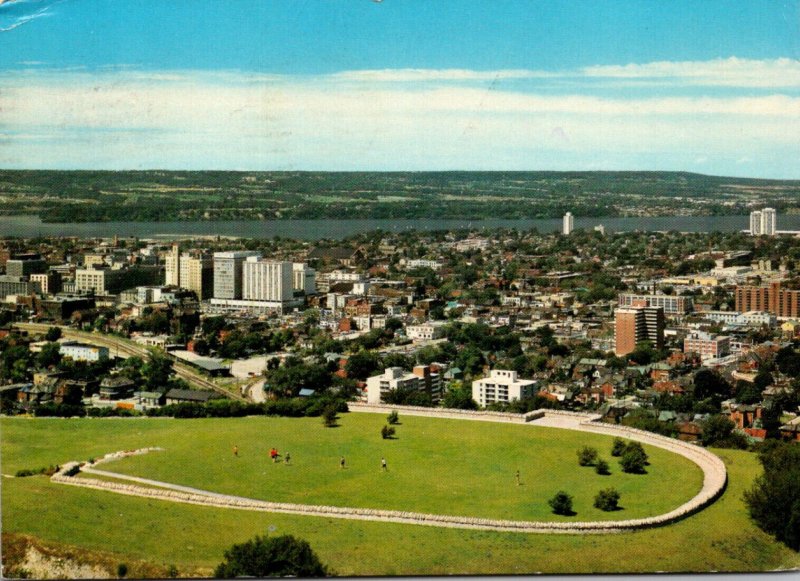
714, 481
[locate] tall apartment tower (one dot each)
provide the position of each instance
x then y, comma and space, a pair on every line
636, 324
196, 273
173, 267
228, 267
755, 223
266, 280
569, 223
768, 222
304, 278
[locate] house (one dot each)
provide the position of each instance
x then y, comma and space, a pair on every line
116, 387
42, 393
149, 399
189, 396
791, 430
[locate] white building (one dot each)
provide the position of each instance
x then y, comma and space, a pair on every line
173, 267
748, 319
304, 278
763, 222
501, 386
423, 263
394, 378
266, 280
569, 223
426, 331
196, 273
228, 273
82, 352
706, 345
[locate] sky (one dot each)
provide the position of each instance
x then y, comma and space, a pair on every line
710, 87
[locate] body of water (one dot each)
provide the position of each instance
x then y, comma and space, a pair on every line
31, 226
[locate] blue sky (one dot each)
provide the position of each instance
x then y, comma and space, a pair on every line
712, 87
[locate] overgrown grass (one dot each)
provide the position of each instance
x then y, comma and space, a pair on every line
720, 538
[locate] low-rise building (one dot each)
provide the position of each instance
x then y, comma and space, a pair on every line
502, 386
706, 345
397, 378
82, 352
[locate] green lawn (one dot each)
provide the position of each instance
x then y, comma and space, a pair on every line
719, 538
436, 466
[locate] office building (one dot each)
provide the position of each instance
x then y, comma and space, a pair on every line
304, 278
633, 325
196, 273
266, 280
784, 303
569, 223
50, 282
706, 345
17, 285
501, 386
228, 273
25, 265
672, 304
173, 267
106, 280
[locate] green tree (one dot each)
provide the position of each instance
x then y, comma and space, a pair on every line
719, 431
618, 447
601, 467
393, 418
50, 355
282, 556
459, 398
708, 384
362, 365
561, 503
329, 416
607, 499
587, 456
774, 499
157, 370
387, 432
633, 459
53, 334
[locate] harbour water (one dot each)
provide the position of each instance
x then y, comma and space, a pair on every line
32, 226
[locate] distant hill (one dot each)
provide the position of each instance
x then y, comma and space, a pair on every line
90, 196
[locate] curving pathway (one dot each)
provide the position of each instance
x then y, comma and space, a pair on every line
714, 480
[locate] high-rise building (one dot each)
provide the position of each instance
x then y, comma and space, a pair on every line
173, 267
636, 324
770, 299
228, 273
25, 265
569, 223
266, 280
768, 222
304, 278
672, 304
755, 223
196, 273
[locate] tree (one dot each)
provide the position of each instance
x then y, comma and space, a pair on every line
387, 432
633, 459
561, 503
50, 355
361, 365
710, 384
459, 399
602, 468
719, 431
393, 418
53, 334
282, 556
587, 456
774, 499
157, 370
329, 416
607, 500
618, 447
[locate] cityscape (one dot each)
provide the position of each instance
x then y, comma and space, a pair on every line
386, 289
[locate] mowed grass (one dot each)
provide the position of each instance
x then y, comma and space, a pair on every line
434, 465
719, 538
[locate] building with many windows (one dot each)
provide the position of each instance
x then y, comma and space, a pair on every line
569, 223
706, 345
267, 280
763, 222
501, 386
770, 298
636, 324
397, 378
304, 278
82, 352
228, 267
672, 304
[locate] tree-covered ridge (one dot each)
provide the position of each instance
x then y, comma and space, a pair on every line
84, 196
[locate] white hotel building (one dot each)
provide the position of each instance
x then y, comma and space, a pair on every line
266, 280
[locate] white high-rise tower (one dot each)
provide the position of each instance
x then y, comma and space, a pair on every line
768, 222
569, 223
755, 223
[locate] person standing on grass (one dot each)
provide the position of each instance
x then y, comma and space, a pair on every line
518, 482
236, 450
287, 458
383, 464
341, 463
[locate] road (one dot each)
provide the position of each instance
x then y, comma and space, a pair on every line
126, 348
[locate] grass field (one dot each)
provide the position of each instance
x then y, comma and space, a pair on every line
198, 453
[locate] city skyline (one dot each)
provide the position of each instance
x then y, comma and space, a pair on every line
392, 86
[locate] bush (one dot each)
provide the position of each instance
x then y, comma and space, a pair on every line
607, 500
602, 468
387, 432
393, 418
587, 456
329, 416
73, 471
634, 459
282, 556
618, 447
561, 503
122, 570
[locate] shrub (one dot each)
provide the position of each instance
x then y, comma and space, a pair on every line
587, 456
393, 418
634, 459
122, 570
73, 471
607, 499
172, 571
561, 503
282, 556
618, 447
329, 416
602, 468
387, 432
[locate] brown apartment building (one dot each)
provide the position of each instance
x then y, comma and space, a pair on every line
770, 298
635, 324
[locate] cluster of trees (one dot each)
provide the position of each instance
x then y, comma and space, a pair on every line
280, 556
325, 406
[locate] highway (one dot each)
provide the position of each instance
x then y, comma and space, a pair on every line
126, 348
